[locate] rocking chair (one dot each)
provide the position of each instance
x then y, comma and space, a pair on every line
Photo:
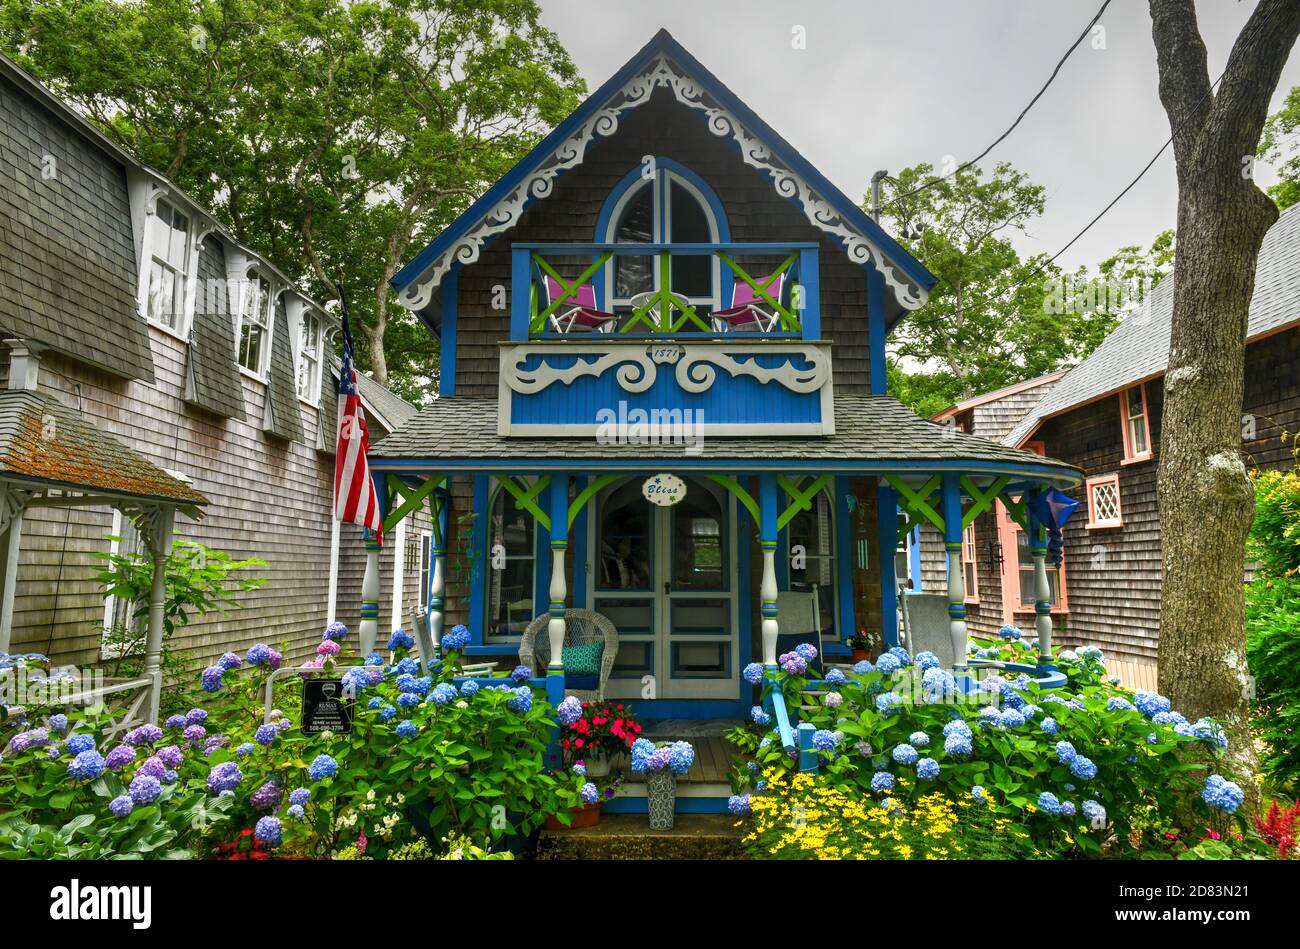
581, 627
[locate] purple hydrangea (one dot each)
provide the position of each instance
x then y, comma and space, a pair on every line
259, 654
121, 806
119, 757
57, 723
194, 734
229, 661
213, 742
170, 755
793, 663
152, 767
569, 711
267, 797
211, 678
144, 735
175, 721
145, 789
300, 796
224, 777
266, 734
335, 631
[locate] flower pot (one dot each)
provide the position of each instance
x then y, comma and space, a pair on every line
661, 798
862, 655
586, 816
598, 762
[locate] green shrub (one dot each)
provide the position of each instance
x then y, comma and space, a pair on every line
1272, 647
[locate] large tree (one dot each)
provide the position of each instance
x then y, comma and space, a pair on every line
1205, 496
989, 321
324, 133
1280, 145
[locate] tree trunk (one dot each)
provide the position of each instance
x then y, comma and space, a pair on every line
1205, 498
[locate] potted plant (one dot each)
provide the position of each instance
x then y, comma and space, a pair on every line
865, 645
661, 764
599, 733
594, 793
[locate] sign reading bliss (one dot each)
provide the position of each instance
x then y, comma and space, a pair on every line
664, 489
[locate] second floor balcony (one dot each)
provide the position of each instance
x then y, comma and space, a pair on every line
678, 290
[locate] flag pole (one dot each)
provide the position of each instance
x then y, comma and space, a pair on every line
335, 523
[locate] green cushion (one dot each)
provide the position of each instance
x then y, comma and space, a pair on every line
583, 660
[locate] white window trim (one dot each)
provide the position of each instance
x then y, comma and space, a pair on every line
198, 230
248, 285
298, 316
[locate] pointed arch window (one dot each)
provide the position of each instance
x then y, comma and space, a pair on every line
663, 202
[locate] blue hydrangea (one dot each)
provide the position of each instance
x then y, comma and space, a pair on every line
407, 729
957, 743
580, 769
919, 740
1169, 718
405, 667
247, 748
322, 767
978, 792
937, 684
807, 651
1009, 632
374, 703
229, 661
905, 754
1095, 813
1067, 809
1049, 726
411, 700
862, 667
898, 652
79, 743
882, 781
386, 713
259, 654
642, 749
888, 702
835, 677
523, 700
443, 693
1048, 804
1083, 768
374, 659
760, 717
1204, 728
1151, 704
824, 740
295, 811
86, 766
335, 631
753, 673
739, 805
57, 723
175, 721
269, 831
1011, 718
356, 680
1118, 703
589, 793
681, 755
927, 769
926, 660
990, 717
956, 726
400, 639
521, 673
1065, 752
569, 711
224, 777
1222, 794
468, 688
266, 734
121, 806
210, 679
456, 639
888, 664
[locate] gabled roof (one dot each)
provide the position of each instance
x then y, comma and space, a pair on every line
47, 443
663, 62
1138, 349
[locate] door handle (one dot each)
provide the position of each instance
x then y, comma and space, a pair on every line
667, 588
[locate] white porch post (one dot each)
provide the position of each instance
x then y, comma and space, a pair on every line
160, 547
952, 536
559, 515
767, 591
370, 596
1042, 588
437, 578
399, 572
13, 508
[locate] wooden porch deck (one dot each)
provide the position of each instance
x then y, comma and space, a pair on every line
713, 756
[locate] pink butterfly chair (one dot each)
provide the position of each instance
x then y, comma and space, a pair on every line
581, 312
746, 315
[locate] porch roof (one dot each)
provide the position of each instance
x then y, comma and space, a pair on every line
45, 442
873, 433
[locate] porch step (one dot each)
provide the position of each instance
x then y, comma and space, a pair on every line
629, 837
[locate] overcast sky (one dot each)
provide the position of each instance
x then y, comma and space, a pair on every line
886, 85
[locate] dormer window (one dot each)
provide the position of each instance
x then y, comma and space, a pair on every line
253, 321
309, 332
169, 258
670, 206
1137, 429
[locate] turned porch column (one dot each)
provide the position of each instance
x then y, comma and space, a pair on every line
437, 571
1042, 588
767, 534
952, 534
559, 592
370, 596
158, 535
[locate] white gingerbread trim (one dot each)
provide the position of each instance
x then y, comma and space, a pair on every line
570, 153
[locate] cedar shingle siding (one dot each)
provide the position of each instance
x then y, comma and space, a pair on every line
67, 257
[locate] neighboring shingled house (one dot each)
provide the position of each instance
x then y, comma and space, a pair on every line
1104, 416
152, 324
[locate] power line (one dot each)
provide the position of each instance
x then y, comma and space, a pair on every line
1025, 111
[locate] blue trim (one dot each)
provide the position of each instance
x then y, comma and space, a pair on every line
683, 805
844, 558
783, 558
950, 508
887, 537
628, 181
745, 626
662, 43
578, 545
876, 328
447, 338
767, 507
688, 708
479, 556
914, 557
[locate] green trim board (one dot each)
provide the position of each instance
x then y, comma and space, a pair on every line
981, 501
589, 492
735, 487
526, 498
412, 497
918, 501
801, 499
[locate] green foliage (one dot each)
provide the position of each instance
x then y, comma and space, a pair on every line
1274, 539
1278, 145
988, 322
323, 133
1145, 772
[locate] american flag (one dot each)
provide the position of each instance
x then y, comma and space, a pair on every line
354, 492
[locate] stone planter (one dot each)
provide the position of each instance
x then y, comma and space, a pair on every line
661, 798
598, 762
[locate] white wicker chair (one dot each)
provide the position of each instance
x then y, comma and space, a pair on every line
580, 627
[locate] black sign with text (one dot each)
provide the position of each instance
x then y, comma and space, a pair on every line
325, 708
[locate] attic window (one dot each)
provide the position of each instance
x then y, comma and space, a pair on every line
253, 324
1104, 508
169, 258
1135, 423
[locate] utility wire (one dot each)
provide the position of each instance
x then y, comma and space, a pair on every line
1025, 111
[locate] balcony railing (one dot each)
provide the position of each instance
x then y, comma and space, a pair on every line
549, 280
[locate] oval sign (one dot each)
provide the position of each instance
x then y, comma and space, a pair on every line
664, 489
